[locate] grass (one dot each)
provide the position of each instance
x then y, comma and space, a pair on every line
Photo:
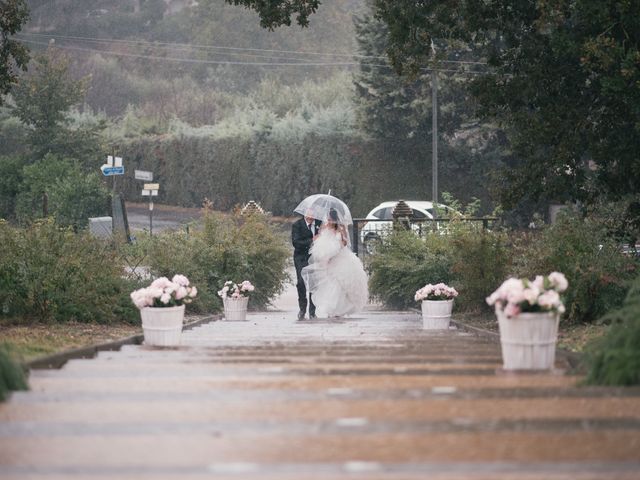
32, 341
570, 337
575, 337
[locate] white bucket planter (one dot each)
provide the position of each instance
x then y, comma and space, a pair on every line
436, 314
162, 326
529, 340
235, 309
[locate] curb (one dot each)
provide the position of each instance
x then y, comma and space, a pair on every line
57, 360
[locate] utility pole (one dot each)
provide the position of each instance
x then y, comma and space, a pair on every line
434, 131
434, 126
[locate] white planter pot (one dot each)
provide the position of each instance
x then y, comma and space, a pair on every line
235, 309
162, 326
436, 314
529, 340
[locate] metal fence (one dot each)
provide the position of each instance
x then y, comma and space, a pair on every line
368, 234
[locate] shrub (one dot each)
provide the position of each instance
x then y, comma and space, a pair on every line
469, 258
597, 271
243, 248
10, 179
73, 195
404, 263
615, 358
12, 374
53, 274
481, 260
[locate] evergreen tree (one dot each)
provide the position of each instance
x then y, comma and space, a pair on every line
43, 99
13, 15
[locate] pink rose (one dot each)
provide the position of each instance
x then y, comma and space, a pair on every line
512, 310
180, 280
161, 282
181, 292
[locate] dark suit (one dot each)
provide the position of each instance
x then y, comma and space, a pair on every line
302, 238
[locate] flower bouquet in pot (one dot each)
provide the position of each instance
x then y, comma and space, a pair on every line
162, 307
235, 298
528, 313
437, 304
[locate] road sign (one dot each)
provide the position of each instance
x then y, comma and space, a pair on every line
108, 171
149, 193
113, 166
143, 175
152, 186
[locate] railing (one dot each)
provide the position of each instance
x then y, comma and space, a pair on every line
368, 234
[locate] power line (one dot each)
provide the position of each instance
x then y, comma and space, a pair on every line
159, 45
229, 62
233, 49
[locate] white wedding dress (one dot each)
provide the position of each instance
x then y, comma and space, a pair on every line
335, 276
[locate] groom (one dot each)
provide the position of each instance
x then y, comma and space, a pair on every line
302, 233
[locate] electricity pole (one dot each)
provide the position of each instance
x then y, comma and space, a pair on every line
434, 122
434, 131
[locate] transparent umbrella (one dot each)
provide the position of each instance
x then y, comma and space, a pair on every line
320, 205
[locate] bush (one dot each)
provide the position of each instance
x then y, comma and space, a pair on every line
615, 358
73, 195
404, 263
468, 258
10, 180
53, 274
227, 248
597, 271
12, 374
481, 260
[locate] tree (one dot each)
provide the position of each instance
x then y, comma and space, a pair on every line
565, 84
393, 106
43, 99
398, 110
276, 13
71, 195
13, 15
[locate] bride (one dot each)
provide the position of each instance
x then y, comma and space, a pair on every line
335, 276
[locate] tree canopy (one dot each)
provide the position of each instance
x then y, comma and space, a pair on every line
43, 99
13, 15
276, 13
563, 81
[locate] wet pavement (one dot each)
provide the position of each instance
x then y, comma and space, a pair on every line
370, 397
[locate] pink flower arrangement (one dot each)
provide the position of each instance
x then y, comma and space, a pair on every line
165, 293
235, 290
439, 291
517, 295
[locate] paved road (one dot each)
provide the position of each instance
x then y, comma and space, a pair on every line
373, 397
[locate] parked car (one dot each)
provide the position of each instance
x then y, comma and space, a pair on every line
372, 232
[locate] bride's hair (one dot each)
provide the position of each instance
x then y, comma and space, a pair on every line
333, 215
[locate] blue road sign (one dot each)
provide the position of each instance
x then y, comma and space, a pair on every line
108, 171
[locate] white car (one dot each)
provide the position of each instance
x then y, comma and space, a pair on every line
372, 232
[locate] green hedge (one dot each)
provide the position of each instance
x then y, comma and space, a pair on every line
597, 271
279, 171
468, 258
226, 248
12, 374
49, 273
615, 358
476, 261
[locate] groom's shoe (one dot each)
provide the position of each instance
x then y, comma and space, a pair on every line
300, 315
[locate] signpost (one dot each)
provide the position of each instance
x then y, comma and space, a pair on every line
143, 175
112, 168
150, 190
